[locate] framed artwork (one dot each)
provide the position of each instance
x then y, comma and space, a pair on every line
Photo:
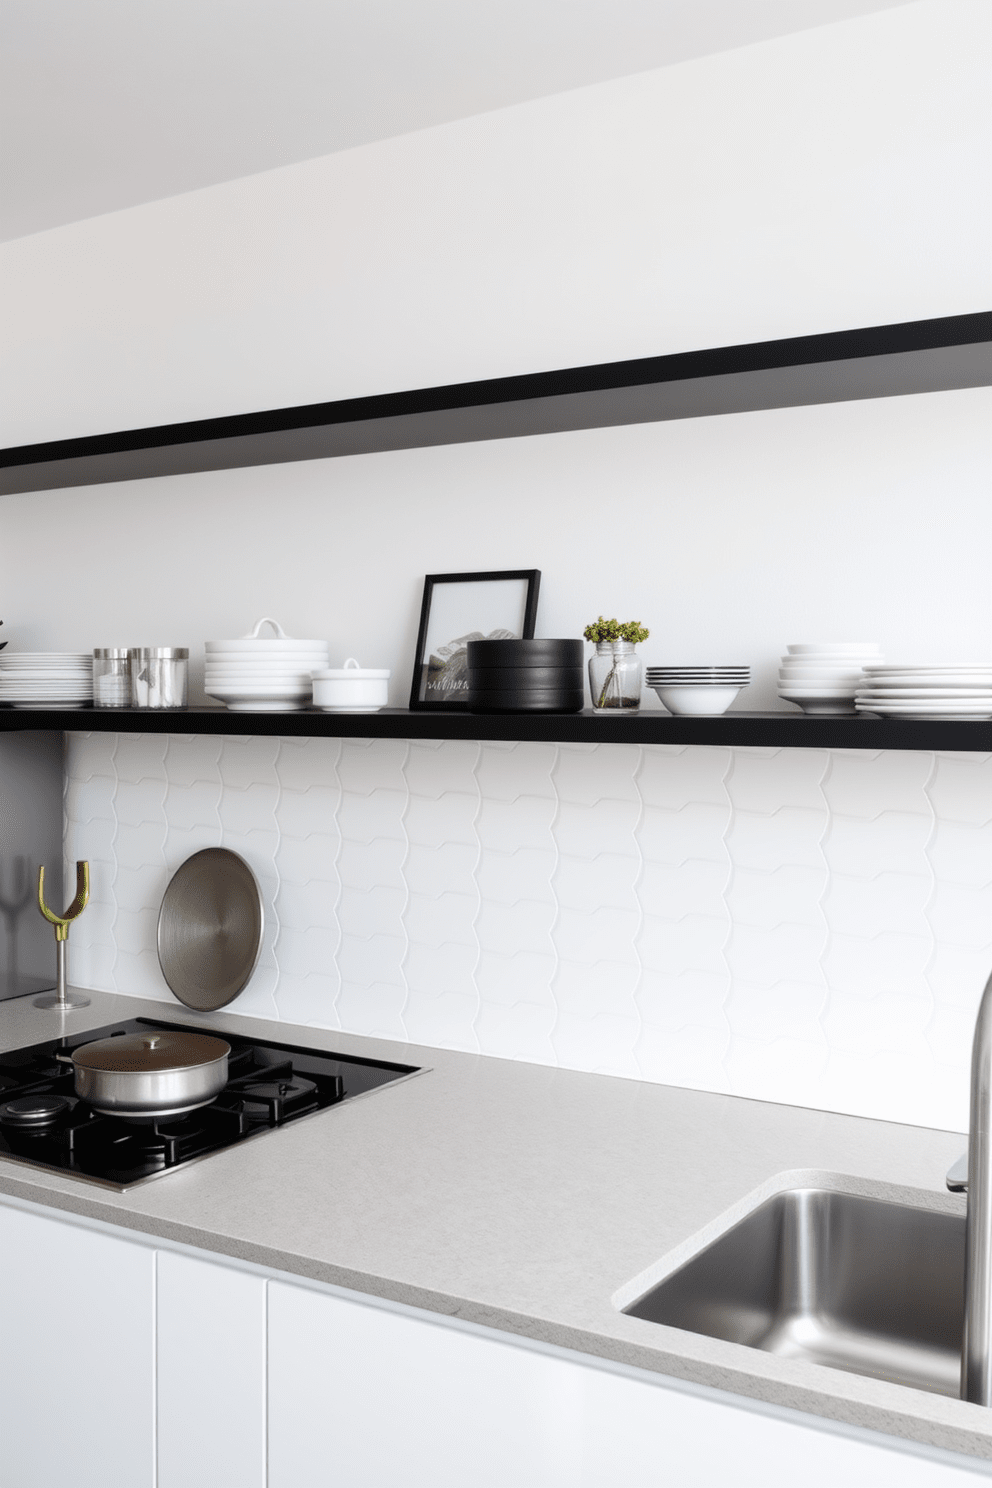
464, 607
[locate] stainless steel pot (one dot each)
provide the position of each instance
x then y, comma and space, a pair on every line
141, 1076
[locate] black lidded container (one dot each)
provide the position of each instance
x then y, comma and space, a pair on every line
537, 676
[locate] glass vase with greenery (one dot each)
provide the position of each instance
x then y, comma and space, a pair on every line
615, 672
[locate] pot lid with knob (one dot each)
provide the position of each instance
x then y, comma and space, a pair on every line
170, 1049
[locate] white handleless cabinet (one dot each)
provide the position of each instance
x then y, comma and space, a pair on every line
127, 1366
77, 1371
123, 1366
211, 1374
371, 1398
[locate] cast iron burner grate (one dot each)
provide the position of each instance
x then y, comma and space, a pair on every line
43, 1122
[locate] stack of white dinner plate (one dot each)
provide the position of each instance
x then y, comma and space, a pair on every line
926, 690
823, 676
698, 690
46, 679
257, 673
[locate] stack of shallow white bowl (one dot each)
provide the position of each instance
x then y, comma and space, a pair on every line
700, 690
46, 679
263, 674
823, 676
926, 690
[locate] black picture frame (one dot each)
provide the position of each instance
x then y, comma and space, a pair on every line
530, 578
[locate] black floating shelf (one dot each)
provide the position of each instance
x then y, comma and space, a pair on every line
768, 730
876, 362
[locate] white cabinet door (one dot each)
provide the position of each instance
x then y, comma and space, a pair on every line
211, 1375
76, 1356
373, 1399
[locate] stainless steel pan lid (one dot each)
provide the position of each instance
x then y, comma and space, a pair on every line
210, 929
171, 1049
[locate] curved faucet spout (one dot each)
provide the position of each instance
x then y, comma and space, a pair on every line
976, 1355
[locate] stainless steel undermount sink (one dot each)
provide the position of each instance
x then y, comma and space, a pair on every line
865, 1285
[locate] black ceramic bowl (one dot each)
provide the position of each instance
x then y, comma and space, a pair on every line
543, 676
535, 653
556, 700
494, 679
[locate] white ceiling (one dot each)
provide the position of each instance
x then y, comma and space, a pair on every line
108, 103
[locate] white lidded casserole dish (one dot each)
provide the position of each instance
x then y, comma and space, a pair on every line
351, 688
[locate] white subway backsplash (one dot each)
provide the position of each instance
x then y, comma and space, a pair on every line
806, 926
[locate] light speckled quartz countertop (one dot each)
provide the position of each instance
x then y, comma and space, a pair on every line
522, 1198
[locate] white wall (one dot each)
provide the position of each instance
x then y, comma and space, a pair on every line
818, 182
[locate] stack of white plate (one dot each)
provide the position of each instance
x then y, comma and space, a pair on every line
46, 679
823, 676
698, 690
268, 674
926, 690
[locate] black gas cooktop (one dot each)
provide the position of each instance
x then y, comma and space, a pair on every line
42, 1121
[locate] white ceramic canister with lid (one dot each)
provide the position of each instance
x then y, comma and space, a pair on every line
351, 688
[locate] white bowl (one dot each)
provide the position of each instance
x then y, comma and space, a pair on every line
291, 688
350, 697
805, 678
253, 703
264, 705
262, 664
814, 664
351, 688
837, 669
705, 701
821, 702
266, 651
842, 662
280, 644
849, 659
302, 661
835, 648
285, 678
809, 664
239, 695
796, 690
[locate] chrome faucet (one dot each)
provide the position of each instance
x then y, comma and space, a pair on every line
973, 1174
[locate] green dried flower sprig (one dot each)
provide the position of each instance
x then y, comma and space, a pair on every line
616, 630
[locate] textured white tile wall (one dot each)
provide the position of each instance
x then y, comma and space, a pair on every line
805, 926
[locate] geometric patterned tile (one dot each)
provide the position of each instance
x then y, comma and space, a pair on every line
793, 925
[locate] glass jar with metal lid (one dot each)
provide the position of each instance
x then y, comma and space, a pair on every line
111, 677
158, 676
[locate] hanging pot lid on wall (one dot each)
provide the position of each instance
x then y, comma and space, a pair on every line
210, 929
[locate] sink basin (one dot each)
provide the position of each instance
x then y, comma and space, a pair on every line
860, 1284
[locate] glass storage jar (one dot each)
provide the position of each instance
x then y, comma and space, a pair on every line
615, 678
111, 677
158, 676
